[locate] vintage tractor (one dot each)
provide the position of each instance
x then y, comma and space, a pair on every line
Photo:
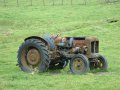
52, 52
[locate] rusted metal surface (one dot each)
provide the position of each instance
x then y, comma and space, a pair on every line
87, 45
30, 58
33, 57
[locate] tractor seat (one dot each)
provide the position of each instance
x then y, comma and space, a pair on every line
66, 45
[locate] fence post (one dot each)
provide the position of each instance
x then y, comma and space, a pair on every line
17, 3
108, 1
71, 2
85, 2
53, 2
31, 2
62, 2
4, 3
44, 2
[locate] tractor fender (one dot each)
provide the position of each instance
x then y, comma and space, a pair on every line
36, 37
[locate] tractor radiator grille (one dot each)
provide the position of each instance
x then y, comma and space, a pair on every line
95, 47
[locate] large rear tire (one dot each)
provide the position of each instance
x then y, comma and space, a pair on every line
33, 56
79, 64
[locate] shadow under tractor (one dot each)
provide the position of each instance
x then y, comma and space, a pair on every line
53, 52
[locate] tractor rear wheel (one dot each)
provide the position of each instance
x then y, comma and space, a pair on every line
33, 56
79, 64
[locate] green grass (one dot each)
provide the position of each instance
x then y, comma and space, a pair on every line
16, 23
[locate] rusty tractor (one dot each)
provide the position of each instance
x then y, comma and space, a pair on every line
53, 52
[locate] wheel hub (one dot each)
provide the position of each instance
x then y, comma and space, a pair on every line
33, 57
78, 64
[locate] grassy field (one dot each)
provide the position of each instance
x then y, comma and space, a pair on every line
16, 23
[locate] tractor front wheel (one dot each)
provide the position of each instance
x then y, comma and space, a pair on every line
100, 62
79, 64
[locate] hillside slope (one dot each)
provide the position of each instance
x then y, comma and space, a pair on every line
16, 23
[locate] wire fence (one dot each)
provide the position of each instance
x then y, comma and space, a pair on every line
51, 2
